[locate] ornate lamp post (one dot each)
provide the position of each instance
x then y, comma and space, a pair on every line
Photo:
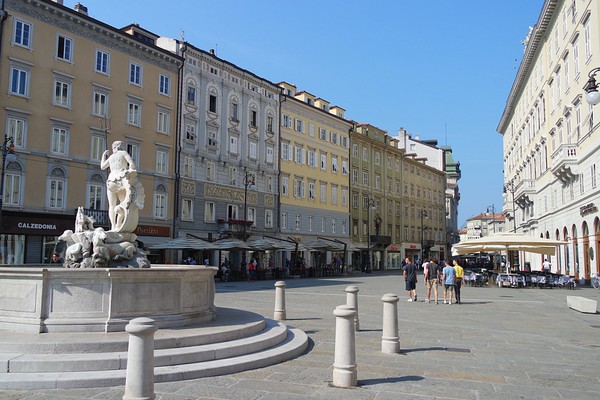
423, 215
370, 203
8, 154
249, 181
591, 88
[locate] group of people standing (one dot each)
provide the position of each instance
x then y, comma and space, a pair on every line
450, 276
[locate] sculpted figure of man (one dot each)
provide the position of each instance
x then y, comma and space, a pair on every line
122, 186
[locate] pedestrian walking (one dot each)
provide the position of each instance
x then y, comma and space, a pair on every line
448, 279
410, 279
459, 279
432, 276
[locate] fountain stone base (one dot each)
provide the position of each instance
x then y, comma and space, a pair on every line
49, 300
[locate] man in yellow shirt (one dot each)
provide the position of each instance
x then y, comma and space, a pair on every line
459, 279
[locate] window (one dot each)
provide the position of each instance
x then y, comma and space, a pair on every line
286, 121
12, 186
102, 62
251, 215
187, 210
252, 149
323, 193
300, 155
64, 48
233, 144
212, 103
59, 141
354, 150
286, 150
253, 118
95, 196
191, 95
22, 33
209, 211
345, 197
212, 139
62, 93
311, 191
135, 74
344, 167
16, 129
210, 171
312, 158
56, 189
270, 154
98, 145
163, 122
268, 218
285, 185
323, 161
160, 202
299, 188
190, 131
299, 125
310, 223
284, 224
323, 134
234, 112
297, 222
334, 194
188, 167
162, 161
232, 175
354, 175
100, 104
593, 174
334, 164
365, 178
134, 111
333, 225
164, 85
232, 211
269, 124
19, 81
134, 151
377, 158
365, 155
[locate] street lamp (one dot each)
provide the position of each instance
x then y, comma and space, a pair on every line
423, 215
493, 216
8, 154
370, 203
249, 181
591, 88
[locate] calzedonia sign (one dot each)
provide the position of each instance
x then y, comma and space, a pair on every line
37, 225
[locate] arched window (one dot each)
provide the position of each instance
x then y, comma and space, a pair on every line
160, 202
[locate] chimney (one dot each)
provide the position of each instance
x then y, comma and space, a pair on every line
80, 8
212, 51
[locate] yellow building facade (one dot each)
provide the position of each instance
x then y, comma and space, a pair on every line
314, 171
73, 86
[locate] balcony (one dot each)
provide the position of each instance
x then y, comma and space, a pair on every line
100, 217
235, 228
524, 192
564, 163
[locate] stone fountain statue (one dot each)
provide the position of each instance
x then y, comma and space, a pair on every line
90, 247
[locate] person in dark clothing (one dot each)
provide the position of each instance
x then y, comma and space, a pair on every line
410, 278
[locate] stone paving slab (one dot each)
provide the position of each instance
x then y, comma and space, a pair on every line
502, 343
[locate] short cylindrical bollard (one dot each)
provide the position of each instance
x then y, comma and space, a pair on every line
390, 342
139, 378
279, 313
352, 302
344, 364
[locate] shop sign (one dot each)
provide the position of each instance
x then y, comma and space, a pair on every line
152, 230
34, 225
587, 209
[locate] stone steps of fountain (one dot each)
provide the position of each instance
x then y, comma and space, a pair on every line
179, 355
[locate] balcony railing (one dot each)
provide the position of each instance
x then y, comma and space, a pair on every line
100, 217
564, 162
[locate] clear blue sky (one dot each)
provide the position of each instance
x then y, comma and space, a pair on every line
441, 69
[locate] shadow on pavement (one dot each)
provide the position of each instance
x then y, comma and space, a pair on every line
408, 378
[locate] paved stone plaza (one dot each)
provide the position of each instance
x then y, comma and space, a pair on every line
500, 344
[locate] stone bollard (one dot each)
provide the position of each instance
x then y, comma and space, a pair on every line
139, 379
344, 364
390, 342
352, 302
279, 313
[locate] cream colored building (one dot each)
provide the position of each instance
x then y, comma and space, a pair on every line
71, 86
314, 165
397, 206
551, 138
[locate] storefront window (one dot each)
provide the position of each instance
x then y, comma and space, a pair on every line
12, 249
51, 245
